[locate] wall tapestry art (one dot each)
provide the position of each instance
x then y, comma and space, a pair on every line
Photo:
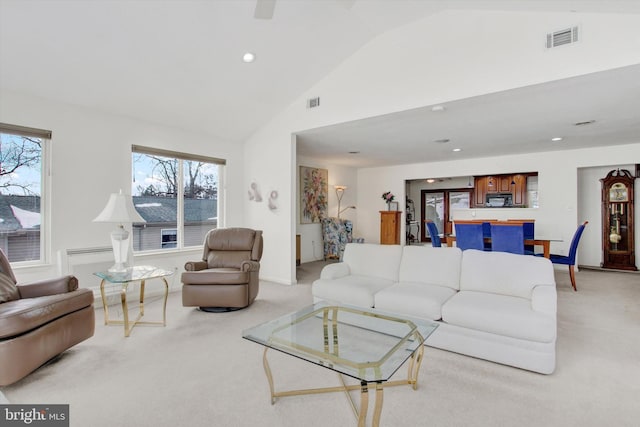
314, 194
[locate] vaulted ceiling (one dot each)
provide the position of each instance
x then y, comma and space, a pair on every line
180, 62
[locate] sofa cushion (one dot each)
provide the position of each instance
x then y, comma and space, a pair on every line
8, 289
434, 266
371, 260
499, 314
353, 290
23, 315
414, 299
504, 273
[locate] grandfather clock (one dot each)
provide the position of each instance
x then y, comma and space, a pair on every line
617, 220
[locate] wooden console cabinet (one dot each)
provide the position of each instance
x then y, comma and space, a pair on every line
390, 227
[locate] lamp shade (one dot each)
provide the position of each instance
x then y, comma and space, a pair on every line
119, 209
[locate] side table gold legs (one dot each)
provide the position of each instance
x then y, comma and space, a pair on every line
128, 325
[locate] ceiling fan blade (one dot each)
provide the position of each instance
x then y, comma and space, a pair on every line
264, 9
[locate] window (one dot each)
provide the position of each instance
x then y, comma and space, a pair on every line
177, 194
22, 182
169, 238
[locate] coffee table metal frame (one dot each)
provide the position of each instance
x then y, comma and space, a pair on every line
407, 345
140, 273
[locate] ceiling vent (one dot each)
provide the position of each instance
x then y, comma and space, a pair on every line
562, 37
313, 102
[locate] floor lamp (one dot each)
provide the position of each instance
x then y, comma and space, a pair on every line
339, 193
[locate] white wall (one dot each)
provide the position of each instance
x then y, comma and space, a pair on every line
448, 56
311, 242
91, 158
559, 212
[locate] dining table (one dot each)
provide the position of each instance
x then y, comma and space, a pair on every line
545, 242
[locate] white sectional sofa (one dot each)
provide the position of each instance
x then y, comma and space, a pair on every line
491, 305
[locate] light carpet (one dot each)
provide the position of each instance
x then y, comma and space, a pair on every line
198, 371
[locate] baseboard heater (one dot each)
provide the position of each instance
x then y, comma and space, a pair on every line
84, 262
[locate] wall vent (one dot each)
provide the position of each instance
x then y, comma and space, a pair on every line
562, 37
313, 102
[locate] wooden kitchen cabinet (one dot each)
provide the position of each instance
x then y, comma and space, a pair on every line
390, 227
480, 190
520, 190
515, 184
503, 183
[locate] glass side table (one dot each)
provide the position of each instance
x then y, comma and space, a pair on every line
139, 273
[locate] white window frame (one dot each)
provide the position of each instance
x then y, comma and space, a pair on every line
45, 190
181, 157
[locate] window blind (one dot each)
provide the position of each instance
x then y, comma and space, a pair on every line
176, 155
25, 131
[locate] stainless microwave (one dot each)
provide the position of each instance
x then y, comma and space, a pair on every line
499, 200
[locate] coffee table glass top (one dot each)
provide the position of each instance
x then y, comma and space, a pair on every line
131, 274
364, 344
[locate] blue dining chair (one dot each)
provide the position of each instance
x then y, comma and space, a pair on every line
433, 232
469, 236
528, 226
486, 233
570, 259
507, 238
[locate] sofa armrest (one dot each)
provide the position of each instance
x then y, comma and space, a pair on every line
334, 271
196, 265
42, 288
250, 266
544, 299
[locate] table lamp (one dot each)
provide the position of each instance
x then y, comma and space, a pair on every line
119, 210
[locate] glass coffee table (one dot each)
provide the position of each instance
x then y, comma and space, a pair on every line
138, 273
367, 345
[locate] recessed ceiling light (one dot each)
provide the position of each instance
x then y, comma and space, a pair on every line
556, 138
431, 180
456, 150
437, 108
248, 57
442, 141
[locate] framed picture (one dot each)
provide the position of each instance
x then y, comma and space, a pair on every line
314, 194
393, 206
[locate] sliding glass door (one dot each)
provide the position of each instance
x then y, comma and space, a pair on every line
438, 205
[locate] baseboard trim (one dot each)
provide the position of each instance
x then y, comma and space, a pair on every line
613, 270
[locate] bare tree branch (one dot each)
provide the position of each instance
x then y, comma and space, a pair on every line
17, 153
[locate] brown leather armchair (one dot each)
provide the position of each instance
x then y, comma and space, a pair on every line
39, 321
226, 278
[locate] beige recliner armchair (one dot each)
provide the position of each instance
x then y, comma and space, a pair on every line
227, 277
39, 321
